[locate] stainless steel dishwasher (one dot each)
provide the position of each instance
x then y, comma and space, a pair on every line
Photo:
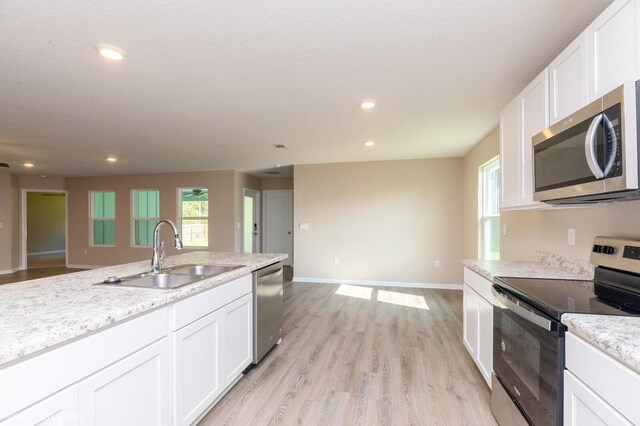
267, 308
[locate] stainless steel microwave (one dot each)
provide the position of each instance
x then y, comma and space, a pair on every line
592, 155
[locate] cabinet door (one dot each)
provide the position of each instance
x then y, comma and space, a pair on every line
583, 407
510, 154
133, 391
197, 361
485, 339
60, 409
613, 44
534, 118
568, 80
237, 320
470, 320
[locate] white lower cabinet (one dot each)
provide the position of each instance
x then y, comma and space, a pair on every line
197, 376
60, 409
583, 407
133, 391
237, 321
477, 323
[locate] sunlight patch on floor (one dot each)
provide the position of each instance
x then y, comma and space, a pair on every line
355, 291
403, 299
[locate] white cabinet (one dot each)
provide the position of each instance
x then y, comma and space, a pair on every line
525, 116
197, 376
568, 80
57, 410
613, 48
583, 407
237, 322
478, 321
134, 391
598, 389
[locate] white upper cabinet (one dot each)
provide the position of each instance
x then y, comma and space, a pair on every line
568, 80
525, 116
613, 48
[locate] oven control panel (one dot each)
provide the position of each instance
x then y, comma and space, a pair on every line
616, 253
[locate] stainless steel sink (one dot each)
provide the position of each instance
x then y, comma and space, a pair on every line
208, 270
175, 277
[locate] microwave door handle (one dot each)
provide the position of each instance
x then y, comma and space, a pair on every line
590, 147
610, 134
522, 312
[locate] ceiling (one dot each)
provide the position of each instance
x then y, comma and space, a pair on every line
214, 85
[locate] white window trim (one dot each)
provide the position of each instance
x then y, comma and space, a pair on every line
92, 218
180, 218
482, 218
134, 217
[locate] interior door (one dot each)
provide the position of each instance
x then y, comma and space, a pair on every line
278, 223
251, 221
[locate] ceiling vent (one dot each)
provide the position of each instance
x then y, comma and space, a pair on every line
279, 145
4, 165
272, 172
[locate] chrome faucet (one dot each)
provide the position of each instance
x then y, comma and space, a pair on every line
158, 246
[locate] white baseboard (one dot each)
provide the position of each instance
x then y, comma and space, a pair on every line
72, 266
46, 252
378, 283
9, 271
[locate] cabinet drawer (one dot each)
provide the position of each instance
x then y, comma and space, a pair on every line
480, 284
189, 310
611, 380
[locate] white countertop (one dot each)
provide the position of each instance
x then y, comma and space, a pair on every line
38, 314
618, 336
527, 269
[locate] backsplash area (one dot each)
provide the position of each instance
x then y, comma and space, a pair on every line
576, 266
530, 231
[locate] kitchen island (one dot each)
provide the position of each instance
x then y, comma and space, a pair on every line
63, 341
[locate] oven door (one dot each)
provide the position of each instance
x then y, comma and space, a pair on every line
528, 358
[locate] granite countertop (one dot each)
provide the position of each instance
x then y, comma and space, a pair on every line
38, 314
617, 336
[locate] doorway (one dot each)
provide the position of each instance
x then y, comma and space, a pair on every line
44, 229
250, 221
278, 223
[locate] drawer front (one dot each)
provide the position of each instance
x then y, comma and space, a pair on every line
189, 310
614, 382
479, 284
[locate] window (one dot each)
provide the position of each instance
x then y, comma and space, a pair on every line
103, 218
194, 216
146, 213
489, 210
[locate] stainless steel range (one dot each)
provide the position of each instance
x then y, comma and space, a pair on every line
528, 347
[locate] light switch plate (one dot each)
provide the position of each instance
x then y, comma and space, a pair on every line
304, 225
571, 236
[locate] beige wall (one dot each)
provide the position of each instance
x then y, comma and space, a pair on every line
274, 184
36, 182
547, 229
385, 221
222, 199
46, 222
485, 150
6, 218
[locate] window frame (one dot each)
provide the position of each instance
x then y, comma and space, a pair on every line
484, 217
134, 218
180, 218
92, 217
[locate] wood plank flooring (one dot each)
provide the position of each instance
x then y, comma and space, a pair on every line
346, 360
32, 274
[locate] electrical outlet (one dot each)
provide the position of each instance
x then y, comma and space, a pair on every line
85, 251
505, 229
436, 263
571, 236
336, 260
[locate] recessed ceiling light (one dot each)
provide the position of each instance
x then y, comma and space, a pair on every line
369, 143
367, 104
279, 145
110, 52
43, 176
112, 159
28, 164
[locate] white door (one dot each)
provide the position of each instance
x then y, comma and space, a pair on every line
250, 221
278, 223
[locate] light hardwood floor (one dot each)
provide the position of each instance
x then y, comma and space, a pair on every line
351, 361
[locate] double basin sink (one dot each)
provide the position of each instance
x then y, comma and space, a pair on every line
175, 277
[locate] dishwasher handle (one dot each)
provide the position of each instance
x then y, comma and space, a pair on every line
269, 272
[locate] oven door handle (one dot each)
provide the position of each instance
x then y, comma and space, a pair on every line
522, 311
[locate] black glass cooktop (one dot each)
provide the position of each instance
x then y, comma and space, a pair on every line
557, 297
